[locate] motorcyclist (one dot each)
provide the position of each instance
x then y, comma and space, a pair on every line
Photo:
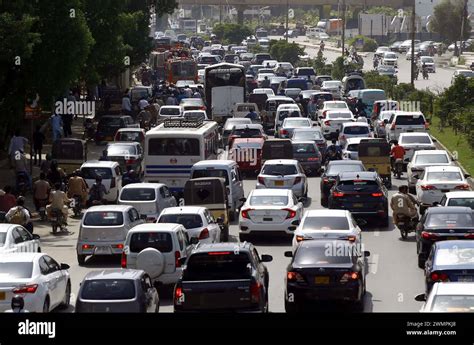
130, 176
97, 192
41, 189
360, 107
397, 152
58, 201
252, 115
20, 215
376, 62
403, 203
333, 152
77, 187
55, 174
321, 45
424, 70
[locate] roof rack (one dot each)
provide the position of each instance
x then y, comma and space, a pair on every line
194, 122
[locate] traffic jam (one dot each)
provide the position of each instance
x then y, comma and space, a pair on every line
229, 181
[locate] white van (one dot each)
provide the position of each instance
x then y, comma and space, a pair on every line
111, 177
229, 170
148, 198
242, 109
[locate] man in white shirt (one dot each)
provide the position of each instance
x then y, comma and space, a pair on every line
143, 103
126, 104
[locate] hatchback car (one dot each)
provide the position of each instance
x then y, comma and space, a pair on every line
423, 159
290, 124
442, 223
413, 142
269, 211
110, 173
362, 193
334, 121
458, 199
313, 134
334, 87
354, 130
117, 291
330, 105
448, 298
325, 270
169, 111
16, 239
284, 174
307, 153
126, 154
103, 230
351, 149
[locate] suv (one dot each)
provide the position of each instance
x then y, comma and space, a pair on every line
111, 177
403, 122
223, 277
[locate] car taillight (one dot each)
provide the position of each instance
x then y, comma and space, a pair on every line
312, 159
429, 235
118, 246
245, 213
337, 194
342, 137
428, 187
87, 246
130, 161
294, 276
177, 256
112, 182
26, 289
291, 213
261, 180
324, 114
377, 194
327, 123
439, 277
463, 187
349, 276
299, 238
204, 234
178, 295
203, 107
123, 260
469, 236
283, 132
325, 180
255, 292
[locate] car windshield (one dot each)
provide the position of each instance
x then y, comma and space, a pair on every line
279, 170
103, 218
109, 121
356, 130
427, 59
304, 148
467, 74
420, 139
331, 84
212, 173
15, 270
454, 256
297, 123
449, 220
432, 159
444, 176
353, 147
358, 186
311, 255
92, 173
189, 221
219, 265
121, 150
325, 223
407, 120
338, 168
390, 56
268, 200
466, 202
306, 71
108, 289
130, 136
307, 135
338, 115
453, 304
138, 194
3, 237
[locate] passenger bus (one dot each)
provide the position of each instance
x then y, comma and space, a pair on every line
182, 69
225, 86
174, 146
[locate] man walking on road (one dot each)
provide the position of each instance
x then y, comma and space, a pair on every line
17, 143
56, 124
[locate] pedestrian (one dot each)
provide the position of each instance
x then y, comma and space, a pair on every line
126, 104
143, 103
56, 124
21, 168
38, 140
7, 199
17, 143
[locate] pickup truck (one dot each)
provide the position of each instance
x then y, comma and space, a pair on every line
228, 277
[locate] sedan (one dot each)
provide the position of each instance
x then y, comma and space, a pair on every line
16, 239
442, 223
331, 105
448, 298
380, 123
290, 124
423, 159
358, 129
43, 283
313, 134
450, 261
284, 174
268, 211
127, 154
307, 153
334, 121
458, 199
436, 181
413, 142
323, 270
334, 87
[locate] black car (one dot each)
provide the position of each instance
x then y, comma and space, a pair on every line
223, 277
450, 261
442, 223
322, 270
362, 193
260, 57
109, 125
330, 173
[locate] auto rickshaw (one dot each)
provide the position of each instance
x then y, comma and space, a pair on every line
210, 192
375, 155
70, 153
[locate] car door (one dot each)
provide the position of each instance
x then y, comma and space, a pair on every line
17, 242
57, 281
262, 274
29, 244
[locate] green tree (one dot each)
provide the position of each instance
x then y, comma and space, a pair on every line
388, 11
285, 51
373, 80
231, 33
368, 44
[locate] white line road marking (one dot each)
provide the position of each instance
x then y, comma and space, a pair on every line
376, 233
374, 264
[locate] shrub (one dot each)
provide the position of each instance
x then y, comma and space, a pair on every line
369, 45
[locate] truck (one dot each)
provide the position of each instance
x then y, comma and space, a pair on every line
331, 26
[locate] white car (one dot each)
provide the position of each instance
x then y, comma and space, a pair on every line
261, 77
111, 177
195, 114
423, 159
354, 130
197, 221
381, 123
269, 210
437, 180
450, 297
331, 105
413, 142
334, 121
43, 283
184, 83
429, 62
334, 87
16, 239
458, 199
464, 72
283, 174
200, 75
327, 224
268, 91
291, 123
390, 59
351, 149
405, 122
167, 111
382, 50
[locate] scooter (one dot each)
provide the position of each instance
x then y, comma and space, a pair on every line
89, 130
77, 205
42, 208
405, 224
398, 167
57, 220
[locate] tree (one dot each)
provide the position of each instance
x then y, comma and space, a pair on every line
285, 51
373, 80
388, 11
231, 33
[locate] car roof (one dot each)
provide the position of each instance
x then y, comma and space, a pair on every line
464, 194
455, 244
114, 273
131, 129
215, 162
351, 175
248, 125
96, 163
355, 124
448, 209
222, 246
170, 106
108, 208
327, 213
183, 210
144, 185
147, 227
447, 168
270, 191
430, 152
281, 161
453, 288
20, 257
308, 129
121, 143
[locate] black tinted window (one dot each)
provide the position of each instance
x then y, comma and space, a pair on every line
189, 221
304, 148
358, 186
103, 218
138, 194
108, 289
247, 133
110, 121
422, 139
278, 170
218, 266
325, 223
307, 255
406, 120
356, 130
159, 240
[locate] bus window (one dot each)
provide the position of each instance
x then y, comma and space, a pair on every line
173, 147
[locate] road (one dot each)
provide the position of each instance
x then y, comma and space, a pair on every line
394, 277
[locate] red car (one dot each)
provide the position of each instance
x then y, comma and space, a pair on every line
247, 152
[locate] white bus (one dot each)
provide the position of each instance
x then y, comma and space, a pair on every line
172, 148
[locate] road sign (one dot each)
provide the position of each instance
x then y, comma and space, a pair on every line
291, 13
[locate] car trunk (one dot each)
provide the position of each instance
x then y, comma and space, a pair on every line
445, 186
268, 215
6, 291
325, 275
115, 306
102, 233
451, 233
412, 148
148, 208
286, 181
359, 202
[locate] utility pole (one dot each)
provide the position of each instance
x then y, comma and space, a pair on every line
287, 17
343, 36
463, 19
413, 24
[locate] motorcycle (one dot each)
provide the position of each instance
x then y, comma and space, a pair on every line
42, 208
22, 183
398, 167
89, 130
333, 155
405, 224
77, 205
57, 220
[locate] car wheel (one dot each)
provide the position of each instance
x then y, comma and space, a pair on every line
421, 261
67, 296
243, 237
81, 259
324, 203
46, 305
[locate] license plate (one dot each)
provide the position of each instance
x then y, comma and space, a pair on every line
465, 279
279, 183
445, 190
268, 219
2, 296
452, 238
321, 280
102, 250
358, 205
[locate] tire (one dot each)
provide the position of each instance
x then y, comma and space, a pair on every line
67, 296
421, 261
404, 234
46, 305
225, 234
55, 228
81, 259
324, 203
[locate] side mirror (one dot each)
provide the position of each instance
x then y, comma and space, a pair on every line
182, 261
366, 253
420, 298
467, 175
416, 176
266, 258
289, 254
36, 237
64, 266
194, 240
407, 160
243, 199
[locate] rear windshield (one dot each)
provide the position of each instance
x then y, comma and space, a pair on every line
68, 150
189, 221
212, 173
454, 256
297, 123
108, 289
353, 147
159, 240
356, 130
92, 173
103, 218
444, 176
170, 111
268, 200
283, 114
325, 223
335, 106
421, 139
247, 132
338, 168
130, 136
216, 266
358, 186
323, 97
16, 270
453, 303
339, 116
138, 194
406, 120
466, 202
109, 121
435, 158
304, 148
449, 220
306, 71
307, 135
173, 147
121, 150
208, 59
279, 170
321, 256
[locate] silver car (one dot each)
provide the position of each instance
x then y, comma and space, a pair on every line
284, 174
290, 124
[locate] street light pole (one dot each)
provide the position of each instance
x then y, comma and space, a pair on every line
413, 23
287, 17
343, 36
463, 19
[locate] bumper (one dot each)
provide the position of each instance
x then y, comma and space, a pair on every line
164, 278
247, 226
327, 293
33, 303
427, 198
100, 248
